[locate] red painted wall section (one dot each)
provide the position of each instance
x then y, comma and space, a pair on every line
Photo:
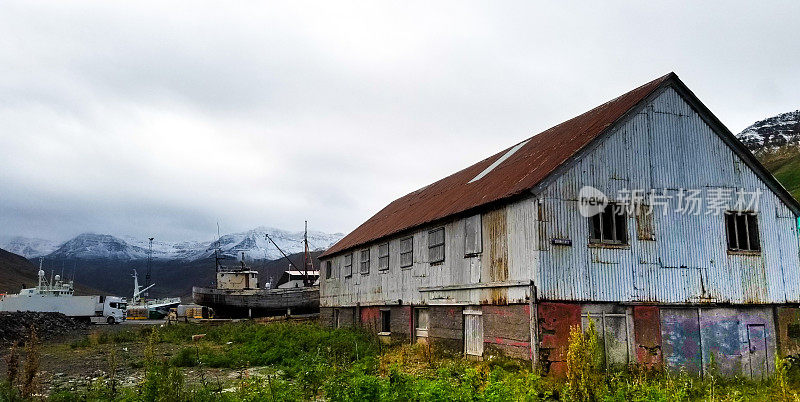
555, 322
371, 318
647, 336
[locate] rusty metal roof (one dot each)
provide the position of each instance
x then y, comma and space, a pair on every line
518, 171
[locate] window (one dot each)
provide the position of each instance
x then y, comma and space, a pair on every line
436, 245
348, 265
386, 321
472, 235
742, 231
365, 262
328, 270
421, 322
609, 226
407, 252
383, 257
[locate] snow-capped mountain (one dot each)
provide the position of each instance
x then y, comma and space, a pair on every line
256, 246
253, 243
28, 247
90, 246
776, 143
772, 133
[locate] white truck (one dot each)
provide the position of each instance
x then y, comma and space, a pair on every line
55, 296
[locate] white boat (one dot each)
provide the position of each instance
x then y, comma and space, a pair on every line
57, 296
141, 309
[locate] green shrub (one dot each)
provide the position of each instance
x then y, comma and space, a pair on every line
584, 364
186, 357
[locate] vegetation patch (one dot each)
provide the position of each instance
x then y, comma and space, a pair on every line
303, 361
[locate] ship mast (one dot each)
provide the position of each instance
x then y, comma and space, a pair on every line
305, 275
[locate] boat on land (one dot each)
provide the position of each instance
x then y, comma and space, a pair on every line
153, 309
56, 295
237, 292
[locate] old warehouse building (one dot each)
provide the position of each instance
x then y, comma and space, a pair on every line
675, 268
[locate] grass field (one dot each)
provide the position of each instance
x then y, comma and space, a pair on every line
785, 166
292, 361
302, 361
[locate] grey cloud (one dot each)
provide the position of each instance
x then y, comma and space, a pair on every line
154, 118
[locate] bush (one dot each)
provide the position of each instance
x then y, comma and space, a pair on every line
584, 363
186, 357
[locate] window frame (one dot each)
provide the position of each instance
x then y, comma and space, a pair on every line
599, 221
409, 252
348, 266
383, 257
328, 269
432, 246
363, 264
750, 219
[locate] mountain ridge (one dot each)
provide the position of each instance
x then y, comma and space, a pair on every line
775, 141
94, 246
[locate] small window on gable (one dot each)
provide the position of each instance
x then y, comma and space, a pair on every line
407, 252
348, 265
436, 245
609, 226
742, 231
328, 270
383, 257
644, 223
472, 235
386, 321
364, 262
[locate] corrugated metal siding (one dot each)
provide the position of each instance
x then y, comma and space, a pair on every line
686, 263
669, 146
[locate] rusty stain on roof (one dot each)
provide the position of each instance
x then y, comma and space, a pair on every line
522, 170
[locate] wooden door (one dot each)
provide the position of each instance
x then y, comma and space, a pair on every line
473, 332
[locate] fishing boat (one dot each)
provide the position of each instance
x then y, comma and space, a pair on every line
141, 308
237, 292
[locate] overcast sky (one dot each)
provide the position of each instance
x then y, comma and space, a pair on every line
145, 118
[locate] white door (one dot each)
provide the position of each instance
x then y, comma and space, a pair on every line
473, 332
421, 324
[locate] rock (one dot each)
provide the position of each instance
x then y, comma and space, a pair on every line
15, 327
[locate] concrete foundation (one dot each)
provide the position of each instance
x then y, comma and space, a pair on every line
726, 340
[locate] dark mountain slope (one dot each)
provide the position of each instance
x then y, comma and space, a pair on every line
775, 141
16, 271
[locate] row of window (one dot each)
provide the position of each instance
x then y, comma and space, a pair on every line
421, 320
406, 254
609, 227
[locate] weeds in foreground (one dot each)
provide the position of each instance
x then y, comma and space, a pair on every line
307, 362
584, 362
30, 369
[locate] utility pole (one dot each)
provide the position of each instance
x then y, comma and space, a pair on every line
305, 255
149, 266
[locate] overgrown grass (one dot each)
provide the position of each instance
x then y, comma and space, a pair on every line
307, 362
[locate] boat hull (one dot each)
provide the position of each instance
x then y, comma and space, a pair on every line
258, 302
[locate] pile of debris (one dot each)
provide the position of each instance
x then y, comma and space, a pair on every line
15, 327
